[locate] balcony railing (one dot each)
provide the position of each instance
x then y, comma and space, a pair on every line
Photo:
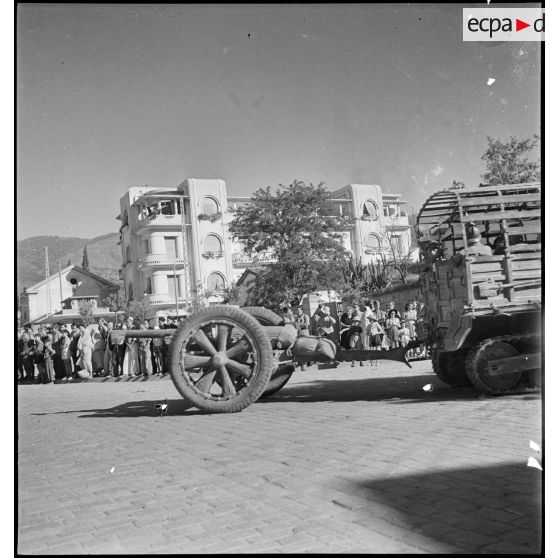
155, 299
159, 259
161, 220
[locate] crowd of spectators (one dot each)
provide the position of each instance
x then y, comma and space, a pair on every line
69, 351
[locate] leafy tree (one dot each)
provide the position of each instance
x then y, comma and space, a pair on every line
295, 227
509, 163
138, 309
85, 309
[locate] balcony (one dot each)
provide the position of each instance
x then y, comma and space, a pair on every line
151, 260
160, 220
162, 299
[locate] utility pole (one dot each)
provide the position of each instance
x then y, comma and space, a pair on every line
60, 285
47, 278
175, 288
185, 252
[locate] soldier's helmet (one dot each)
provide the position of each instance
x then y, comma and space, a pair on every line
473, 233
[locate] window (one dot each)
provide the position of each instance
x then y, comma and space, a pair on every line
130, 292
128, 255
369, 210
148, 286
210, 206
146, 246
215, 282
171, 285
396, 244
373, 242
212, 244
170, 246
167, 207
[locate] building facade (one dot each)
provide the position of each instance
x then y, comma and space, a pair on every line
176, 245
59, 297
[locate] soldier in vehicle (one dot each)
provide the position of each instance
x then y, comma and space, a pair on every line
474, 245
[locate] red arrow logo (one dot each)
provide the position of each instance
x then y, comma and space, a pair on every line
519, 25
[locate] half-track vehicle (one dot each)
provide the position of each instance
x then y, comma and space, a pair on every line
481, 276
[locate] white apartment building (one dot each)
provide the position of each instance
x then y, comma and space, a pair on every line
154, 222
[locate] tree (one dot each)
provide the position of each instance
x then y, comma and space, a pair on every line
296, 229
138, 309
85, 260
85, 309
509, 163
116, 302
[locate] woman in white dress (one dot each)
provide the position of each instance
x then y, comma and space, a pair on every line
130, 367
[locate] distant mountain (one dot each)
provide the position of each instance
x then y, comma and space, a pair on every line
104, 256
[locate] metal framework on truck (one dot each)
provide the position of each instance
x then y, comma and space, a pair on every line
484, 310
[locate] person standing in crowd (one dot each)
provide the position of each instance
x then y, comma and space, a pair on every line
410, 316
287, 315
56, 335
377, 313
48, 364
404, 336
130, 366
167, 347
315, 318
65, 354
85, 350
27, 357
144, 352
326, 323
375, 336
98, 354
108, 356
74, 336
392, 328
119, 351
302, 322
39, 358
20, 346
366, 312
157, 351
422, 325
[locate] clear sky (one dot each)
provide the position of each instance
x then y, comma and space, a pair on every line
115, 96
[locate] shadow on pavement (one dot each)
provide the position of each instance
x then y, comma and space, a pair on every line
399, 389
135, 409
496, 508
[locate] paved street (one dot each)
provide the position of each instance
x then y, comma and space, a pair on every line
347, 460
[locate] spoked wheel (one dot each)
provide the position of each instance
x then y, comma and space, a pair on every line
449, 366
478, 369
221, 359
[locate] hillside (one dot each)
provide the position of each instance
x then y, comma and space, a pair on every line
103, 253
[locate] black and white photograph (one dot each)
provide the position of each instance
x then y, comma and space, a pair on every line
279, 278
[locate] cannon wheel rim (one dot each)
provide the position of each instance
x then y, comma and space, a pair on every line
232, 365
477, 366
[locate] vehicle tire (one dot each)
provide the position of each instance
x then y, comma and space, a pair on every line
449, 366
221, 359
278, 380
477, 366
265, 316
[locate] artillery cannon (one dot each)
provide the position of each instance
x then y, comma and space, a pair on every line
224, 358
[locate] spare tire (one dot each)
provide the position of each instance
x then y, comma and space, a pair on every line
265, 316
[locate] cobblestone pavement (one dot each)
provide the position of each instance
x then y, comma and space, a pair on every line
346, 460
